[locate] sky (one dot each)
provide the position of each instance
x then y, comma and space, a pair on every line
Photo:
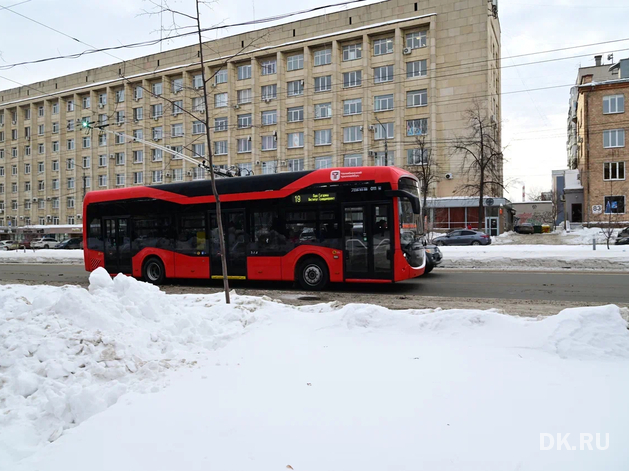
535, 87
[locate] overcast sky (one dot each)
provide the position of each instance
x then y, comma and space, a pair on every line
534, 121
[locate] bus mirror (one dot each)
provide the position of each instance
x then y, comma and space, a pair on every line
414, 200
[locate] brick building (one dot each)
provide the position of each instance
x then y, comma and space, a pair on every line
596, 140
331, 90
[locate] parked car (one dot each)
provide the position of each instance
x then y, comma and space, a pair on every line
525, 228
433, 258
463, 237
68, 244
623, 237
44, 243
8, 245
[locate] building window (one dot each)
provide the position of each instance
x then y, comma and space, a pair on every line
87, 162
14, 152
269, 92
352, 52
176, 152
295, 114
119, 96
382, 159
178, 175
269, 117
86, 101
177, 107
351, 107
416, 69
40, 112
27, 186
138, 156
383, 103
27, 169
27, 114
157, 110
295, 165
27, 150
323, 162
70, 202
323, 137
295, 62
102, 180
13, 169
156, 155
383, 74
70, 144
268, 67
244, 121
55, 166
613, 104
220, 77
40, 129
102, 140
177, 85
119, 138
353, 160
87, 142
269, 167
70, 125
120, 179
614, 138
244, 145
614, 171
220, 147
102, 160
382, 46
244, 96
352, 134
138, 93
295, 140
55, 203
102, 119
138, 178
198, 127
417, 127
244, 72
322, 57
614, 205
383, 131
102, 100
198, 173
352, 79
156, 88
41, 167
416, 39
119, 158
41, 204
220, 124
269, 142
157, 176
176, 130
14, 134
416, 98
55, 128
295, 88
197, 81
138, 114
69, 164
323, 110
198, 150
323, 84
55, 108
70, 183
220, 100
27, 205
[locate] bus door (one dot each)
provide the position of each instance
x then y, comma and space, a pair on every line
235, 244
368, 241
117, 245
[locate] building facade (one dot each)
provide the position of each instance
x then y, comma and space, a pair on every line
597, 125
356, 87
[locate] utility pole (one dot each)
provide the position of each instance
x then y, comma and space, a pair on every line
386, 143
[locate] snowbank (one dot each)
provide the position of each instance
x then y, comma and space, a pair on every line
581, 236
536, 257
314, 387
42, 256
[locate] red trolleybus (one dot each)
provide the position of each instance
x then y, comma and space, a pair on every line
358, 224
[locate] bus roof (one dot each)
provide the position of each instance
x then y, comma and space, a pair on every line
277, 185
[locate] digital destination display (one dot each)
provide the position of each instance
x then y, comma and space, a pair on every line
314, 198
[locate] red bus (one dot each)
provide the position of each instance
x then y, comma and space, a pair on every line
359, 224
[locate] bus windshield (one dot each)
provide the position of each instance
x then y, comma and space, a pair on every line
410, 225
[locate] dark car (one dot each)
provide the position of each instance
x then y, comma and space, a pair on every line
69, 244
433, 258
525, 228
463, 237
623, 237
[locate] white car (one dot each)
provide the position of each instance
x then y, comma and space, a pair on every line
8, 245
44, 243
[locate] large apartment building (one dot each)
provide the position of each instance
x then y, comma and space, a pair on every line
596, 141
355, 87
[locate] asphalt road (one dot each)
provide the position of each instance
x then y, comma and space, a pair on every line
537, 286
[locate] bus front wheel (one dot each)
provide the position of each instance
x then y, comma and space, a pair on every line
312, 274
153, 271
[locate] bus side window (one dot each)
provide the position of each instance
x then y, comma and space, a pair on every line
95, 235
191, 237
266, 235
329, 229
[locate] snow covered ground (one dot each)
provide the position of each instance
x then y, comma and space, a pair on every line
42, 256
123, 376
582, 236
537, 257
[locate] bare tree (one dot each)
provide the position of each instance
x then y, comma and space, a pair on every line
424, 166
482, 158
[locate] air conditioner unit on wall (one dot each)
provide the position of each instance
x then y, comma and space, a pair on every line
407, 50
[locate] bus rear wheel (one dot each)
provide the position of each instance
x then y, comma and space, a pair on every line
153, 271
312, 274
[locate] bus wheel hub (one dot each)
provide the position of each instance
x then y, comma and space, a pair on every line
312, 274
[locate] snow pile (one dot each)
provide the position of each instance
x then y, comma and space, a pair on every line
580, 236
42, 256
68, 353
535, 257
363, 386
